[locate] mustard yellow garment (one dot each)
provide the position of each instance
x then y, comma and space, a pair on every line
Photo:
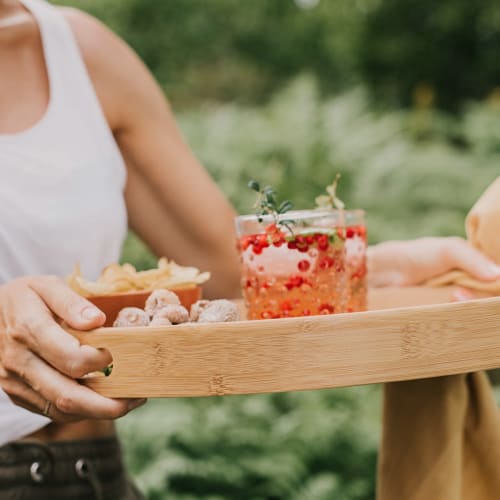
441, 436
483, 222
441, 440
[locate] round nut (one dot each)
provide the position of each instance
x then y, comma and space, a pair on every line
176, 314
197, 308
131, 316
158, 299
220, 310
159, 321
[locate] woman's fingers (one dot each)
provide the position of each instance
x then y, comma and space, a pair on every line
66, 395
461, 255
77, 311
27, 378
398, 263
63, 351
38, 332
462, 294
70, 397
23, 395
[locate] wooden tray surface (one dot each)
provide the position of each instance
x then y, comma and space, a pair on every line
316, 352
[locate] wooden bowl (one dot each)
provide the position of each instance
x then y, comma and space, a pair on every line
111, 305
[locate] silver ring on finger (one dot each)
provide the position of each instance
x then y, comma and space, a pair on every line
46, 410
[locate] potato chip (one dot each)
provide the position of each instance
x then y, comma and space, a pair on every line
117, 278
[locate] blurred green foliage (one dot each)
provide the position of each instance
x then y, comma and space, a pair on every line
244, 51
229, 50
318, 445
450, 47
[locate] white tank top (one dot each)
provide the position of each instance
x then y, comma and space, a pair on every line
61, 186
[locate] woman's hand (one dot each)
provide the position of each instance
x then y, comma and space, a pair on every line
401, 263
39, 361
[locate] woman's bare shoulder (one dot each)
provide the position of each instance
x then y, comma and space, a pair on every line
109, 60
94, 38
124, 85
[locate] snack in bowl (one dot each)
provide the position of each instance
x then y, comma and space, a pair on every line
121, 286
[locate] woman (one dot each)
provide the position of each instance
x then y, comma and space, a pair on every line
88, 141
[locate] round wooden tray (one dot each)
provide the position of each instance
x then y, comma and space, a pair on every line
313, 352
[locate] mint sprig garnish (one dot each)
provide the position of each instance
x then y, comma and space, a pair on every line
267, 204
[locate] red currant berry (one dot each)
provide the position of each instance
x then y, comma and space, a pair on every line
245, 242
326, 262
277, 239
256, 249
271, 228
323, 242
303, 265
262, 240
294, 281
285, 305
326, 308
268, 314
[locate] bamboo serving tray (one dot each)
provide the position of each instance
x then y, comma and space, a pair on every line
409, 333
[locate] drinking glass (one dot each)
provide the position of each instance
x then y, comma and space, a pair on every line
293, 264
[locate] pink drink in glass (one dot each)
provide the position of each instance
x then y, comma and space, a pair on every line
297, 269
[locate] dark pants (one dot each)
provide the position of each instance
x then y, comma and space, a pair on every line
66, 470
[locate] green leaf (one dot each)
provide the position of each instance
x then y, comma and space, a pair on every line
253, 184
268, 192
285, 206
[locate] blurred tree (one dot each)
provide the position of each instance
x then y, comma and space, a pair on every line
450, 47
229, 50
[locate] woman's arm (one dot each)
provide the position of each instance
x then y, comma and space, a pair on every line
413, 262
173, 204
